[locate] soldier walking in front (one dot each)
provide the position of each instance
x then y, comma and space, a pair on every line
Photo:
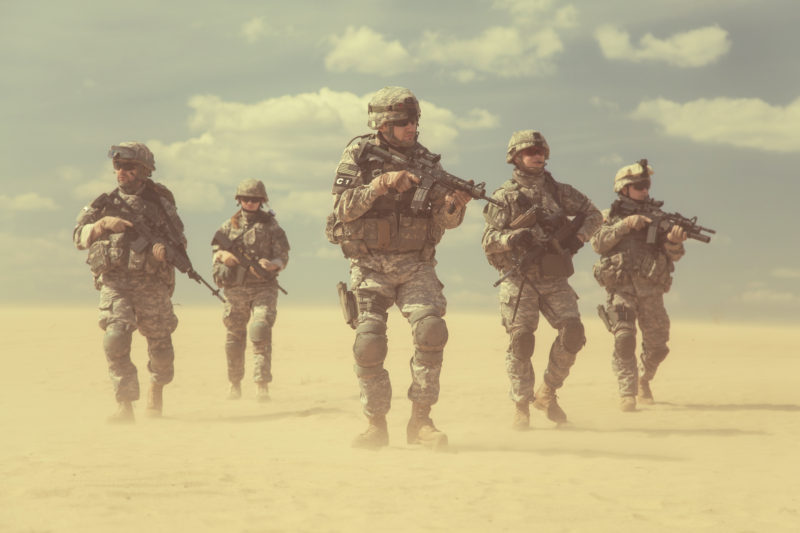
391, 250
531, 241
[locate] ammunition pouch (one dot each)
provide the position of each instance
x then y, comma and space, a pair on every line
556, 265
347, 300
388, 233
107, 254
609, 271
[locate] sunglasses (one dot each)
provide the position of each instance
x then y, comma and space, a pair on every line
249, 199
403, 123
119, 165
641, 185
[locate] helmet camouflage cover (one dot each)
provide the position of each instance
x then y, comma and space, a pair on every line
253, 188
133, 151
390, 104
524, 139
631, 174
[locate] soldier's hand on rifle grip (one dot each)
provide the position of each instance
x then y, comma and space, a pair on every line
266, 264
637, 221
108, 224
159, 252
226, 258
399, 180
521, 240
677, 235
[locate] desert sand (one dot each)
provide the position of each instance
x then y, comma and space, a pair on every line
717, 451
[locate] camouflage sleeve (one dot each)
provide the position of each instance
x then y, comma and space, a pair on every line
576, 202
225, 228
175, 220
609, 234
352, 197
496, 231
83, 226
674, 250
279, 254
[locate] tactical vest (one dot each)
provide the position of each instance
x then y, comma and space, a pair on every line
518, 203
389, 225
633, 257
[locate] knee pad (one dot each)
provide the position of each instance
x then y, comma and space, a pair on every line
522, 343
625, 343
572, 335
430, 333
370, 345
656, 354
260, 331
117, 341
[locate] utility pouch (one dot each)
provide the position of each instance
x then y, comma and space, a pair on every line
99, 260
348, 302
556, 266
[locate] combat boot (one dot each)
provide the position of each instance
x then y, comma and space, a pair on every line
522, 416
155, 400
236, 390
547, 401
375, 436
262, 393
123, 415
420, 429
645, 394
627, 404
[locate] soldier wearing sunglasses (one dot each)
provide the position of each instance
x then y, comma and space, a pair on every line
636, 274
135, 283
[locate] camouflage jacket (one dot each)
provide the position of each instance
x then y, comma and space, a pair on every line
556, 201
371, 228
111, 256
261, 237
626, 258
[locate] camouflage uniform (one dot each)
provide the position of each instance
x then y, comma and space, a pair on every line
550, 295
135, 288
635, 275
392, 261
553, 296
248, 294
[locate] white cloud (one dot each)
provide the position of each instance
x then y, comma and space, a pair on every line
26, 202
368, 52
254, 29
741, 122
293, 143
606, 105
695, 48
769, 296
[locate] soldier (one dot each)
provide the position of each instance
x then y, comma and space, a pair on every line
635, 274
256, 235
536, 209
391, 252
135, 283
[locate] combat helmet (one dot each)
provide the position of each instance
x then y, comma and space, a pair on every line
390, 104
134, 151
253, 188
632, 174
524, 139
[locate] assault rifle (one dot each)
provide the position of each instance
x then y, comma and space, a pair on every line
245, 259
662, 222
147, 232
552, 254
429, 175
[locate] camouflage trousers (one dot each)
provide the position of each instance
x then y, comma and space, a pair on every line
136, 302
648, 308
554, 299
258, 302
417, 292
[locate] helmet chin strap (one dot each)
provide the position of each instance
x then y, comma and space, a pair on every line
391, 139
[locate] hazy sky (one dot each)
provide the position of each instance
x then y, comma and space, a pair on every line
708, 91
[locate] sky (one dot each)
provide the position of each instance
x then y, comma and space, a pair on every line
707, 90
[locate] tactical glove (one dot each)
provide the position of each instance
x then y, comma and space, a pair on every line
159, 252
226, 258
399, 180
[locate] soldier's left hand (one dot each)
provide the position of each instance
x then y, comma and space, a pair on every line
159, 252
677, 235
458, 199
267, 265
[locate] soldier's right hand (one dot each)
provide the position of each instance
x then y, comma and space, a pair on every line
522, 239
226, 258
112, 224
637, 221
399, 180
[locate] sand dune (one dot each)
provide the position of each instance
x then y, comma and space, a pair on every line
715, 453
